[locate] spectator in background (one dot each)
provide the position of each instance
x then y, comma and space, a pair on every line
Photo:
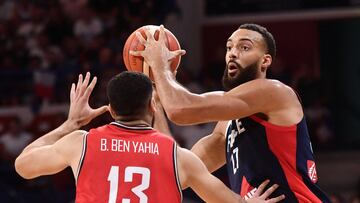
336, 198
280, 71
356, 199
306, 80
87, 26
43, 80
15, 139
6, 9
105, 60
58, 25
32, 24
71, 8
23, 9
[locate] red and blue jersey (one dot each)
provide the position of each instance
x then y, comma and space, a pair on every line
257, 150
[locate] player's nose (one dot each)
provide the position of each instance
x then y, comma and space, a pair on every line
232, 53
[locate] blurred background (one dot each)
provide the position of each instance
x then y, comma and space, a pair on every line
45, 44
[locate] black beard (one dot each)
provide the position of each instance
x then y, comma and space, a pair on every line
244, 75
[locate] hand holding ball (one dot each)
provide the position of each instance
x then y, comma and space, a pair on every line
135, 61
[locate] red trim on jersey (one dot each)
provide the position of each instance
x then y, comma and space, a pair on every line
271, 125
245, 187
282, 142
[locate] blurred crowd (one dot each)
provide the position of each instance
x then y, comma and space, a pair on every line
215, 7
45, 44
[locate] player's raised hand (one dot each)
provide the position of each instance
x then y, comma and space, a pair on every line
260, 197
80, 111
156, 54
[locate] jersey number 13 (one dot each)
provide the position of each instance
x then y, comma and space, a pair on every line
113, 178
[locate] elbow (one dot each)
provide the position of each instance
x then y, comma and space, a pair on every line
180, 116
21, 168
174, 115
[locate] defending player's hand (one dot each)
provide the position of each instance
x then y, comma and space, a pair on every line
80, 112
260, 197
156, 54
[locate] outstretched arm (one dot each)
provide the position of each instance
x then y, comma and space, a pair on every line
46, 155
211, 149
52, 158
194, 174
184, 107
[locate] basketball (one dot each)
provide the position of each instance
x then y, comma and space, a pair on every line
136, 63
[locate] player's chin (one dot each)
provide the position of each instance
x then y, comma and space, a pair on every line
233, 74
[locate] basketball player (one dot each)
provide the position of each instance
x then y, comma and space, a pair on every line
126, 160
261, 125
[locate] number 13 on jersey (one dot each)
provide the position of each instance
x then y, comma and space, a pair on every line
113, 178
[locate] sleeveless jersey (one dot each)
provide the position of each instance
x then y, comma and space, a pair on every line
257, 150
127, 165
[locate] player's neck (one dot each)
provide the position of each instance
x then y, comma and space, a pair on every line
137, 122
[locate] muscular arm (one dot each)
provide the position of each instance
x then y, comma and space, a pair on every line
49, 159
53, 136
184, 107
194, 174
211, 149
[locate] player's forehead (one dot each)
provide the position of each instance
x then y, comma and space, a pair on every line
246, 35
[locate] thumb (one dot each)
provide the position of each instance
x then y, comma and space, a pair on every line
177, 53
180, 52
100, 110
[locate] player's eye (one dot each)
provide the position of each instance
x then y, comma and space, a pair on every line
245, 48
228, 48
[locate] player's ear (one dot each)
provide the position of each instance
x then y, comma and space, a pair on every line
152, 105
266, 62
112, 112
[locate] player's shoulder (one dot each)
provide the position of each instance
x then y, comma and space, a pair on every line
272, 86
76, 135
282, 87
277, 84
70, 144
269, 83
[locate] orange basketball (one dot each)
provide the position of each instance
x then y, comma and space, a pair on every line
136, 63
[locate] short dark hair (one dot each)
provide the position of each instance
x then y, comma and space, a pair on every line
129, 93
268, 37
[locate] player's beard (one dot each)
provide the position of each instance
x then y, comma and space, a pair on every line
244, 74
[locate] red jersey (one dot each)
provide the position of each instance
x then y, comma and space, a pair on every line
127, 165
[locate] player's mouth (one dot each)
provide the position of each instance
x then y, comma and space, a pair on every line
233, 69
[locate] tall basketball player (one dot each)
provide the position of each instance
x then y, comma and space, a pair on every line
262, 128
126, 160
